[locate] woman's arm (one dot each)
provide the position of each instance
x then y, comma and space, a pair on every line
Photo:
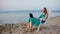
46, 16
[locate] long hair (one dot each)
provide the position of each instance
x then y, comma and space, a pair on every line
31, 15
45, 10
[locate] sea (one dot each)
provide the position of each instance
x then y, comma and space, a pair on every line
21, 16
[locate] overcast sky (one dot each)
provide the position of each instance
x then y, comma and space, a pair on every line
29, 4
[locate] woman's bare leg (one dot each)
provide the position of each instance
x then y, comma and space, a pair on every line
29, 27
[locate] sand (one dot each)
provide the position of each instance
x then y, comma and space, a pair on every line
52, 26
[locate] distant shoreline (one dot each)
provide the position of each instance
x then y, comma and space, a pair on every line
27, 11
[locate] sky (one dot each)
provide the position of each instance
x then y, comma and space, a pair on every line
12, 5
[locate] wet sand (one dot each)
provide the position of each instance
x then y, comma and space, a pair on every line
52, 26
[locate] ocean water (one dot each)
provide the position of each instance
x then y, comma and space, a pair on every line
19, 17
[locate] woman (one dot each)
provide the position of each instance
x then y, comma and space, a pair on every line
33, 22
43, 17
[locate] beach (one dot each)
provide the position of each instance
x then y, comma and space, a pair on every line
52, 26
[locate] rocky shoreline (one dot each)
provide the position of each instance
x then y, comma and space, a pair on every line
52, 26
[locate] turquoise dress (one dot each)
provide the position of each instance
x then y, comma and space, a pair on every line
35, 22
42, 16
